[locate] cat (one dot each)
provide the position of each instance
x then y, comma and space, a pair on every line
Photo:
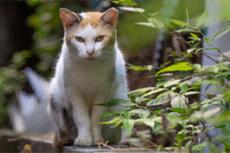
90, 71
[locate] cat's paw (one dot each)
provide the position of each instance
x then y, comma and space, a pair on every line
97, 140
83, 141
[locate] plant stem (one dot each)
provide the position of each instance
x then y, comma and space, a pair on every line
210, 58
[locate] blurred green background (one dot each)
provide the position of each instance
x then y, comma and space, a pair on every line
31, 36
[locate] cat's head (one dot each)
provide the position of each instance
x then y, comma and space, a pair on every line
89, 32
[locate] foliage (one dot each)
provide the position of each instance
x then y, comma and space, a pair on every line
45, 24
166, 10
175, 108
47, 34
125, 2
47, 38
11, 81
189, 100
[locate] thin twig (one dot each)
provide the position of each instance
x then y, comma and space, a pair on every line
217, 49
210, 58
105, 144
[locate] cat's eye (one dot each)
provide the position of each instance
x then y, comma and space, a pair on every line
80, 39
99, 38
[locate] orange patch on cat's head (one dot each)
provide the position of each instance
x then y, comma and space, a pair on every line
91, 18
69, 18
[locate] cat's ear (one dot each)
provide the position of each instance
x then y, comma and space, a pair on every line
68, 17
110, 16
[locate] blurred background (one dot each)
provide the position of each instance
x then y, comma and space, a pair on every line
31, 37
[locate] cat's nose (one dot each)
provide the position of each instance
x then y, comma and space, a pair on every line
90, 52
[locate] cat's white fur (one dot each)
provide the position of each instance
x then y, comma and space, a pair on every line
80, 83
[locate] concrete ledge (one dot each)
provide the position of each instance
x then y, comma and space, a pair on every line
11, 141
76, 149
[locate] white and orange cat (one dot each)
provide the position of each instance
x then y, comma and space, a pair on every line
90, 70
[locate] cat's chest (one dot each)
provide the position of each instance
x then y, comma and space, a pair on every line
91, 79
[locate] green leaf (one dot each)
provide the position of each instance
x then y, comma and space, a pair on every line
181, 66
187, 16
214, 148
156, 23
186, 30
33, 2
191, 50
154, 14
141, 90
195, 37
128, 124
115, 102
180, 110
147, 121
140, 112
147, 24
223, 117
139, 68
125, 2
155, 91
227, 95
20, 58
113, 121
179, 102
172, 82
179, 22
191, 93
220, 32
199, 147
133, 9
141, 99
202, 19
208, 114
152, 22
106, 114
163, 98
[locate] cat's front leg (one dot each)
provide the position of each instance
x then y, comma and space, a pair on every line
82, 121
66, 130
96, 115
